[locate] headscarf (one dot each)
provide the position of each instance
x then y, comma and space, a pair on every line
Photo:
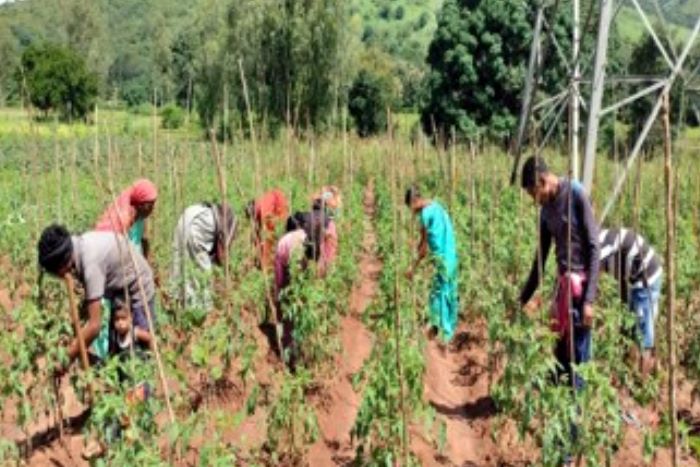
223, 212
121, 214
55, 248
314, 224
328, 196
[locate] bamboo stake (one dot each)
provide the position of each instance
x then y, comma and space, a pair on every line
78, 331
73, 180
156, 168
147, 309
397, 308
670, 278
250, 125
222, 191
59, 406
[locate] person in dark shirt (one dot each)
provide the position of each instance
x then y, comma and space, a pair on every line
566, 214
637, 268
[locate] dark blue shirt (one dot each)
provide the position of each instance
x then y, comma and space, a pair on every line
554, 225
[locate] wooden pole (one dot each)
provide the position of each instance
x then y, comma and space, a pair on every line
670, 277
221, 178
70, 287
251, 125
397, 294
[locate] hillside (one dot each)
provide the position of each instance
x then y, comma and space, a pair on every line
680, 15
401, 28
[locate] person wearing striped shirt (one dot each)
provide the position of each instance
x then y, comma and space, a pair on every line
633, 262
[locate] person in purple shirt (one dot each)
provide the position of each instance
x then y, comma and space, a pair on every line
566, 213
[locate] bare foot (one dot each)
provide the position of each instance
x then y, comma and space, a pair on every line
93, 449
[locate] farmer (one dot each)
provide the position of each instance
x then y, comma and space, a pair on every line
267, 213
127, 214
637, 268
294, 240
437, 236
102, 263
202, 236
326, 202
558, 197
294, 246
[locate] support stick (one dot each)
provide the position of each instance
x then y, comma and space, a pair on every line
78, 332
670, 278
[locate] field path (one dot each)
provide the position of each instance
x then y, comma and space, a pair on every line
456, 385
340, 404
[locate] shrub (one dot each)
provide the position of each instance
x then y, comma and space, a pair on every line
57, 78
369, 98
172, 117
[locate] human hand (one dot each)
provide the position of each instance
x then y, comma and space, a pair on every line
587, 315
531, 307
59, 371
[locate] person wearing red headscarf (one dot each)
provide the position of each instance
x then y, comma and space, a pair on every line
267, 212
127, 213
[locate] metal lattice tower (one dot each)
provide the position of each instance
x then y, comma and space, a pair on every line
552, 107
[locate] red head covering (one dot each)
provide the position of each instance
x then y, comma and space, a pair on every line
121, 214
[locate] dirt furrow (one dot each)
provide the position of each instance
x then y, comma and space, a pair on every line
336, 416
456, 386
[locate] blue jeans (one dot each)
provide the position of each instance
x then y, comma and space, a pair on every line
582, 351
644, 303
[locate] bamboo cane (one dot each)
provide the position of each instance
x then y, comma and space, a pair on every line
147, 307
670, 278
222, 192
59, 406
78, 331
250, 125
397, 308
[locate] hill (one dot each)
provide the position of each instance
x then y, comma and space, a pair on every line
680, 16
401, 28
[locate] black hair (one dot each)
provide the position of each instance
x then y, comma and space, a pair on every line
532, 169
314, 224
225, 232
118, 304
412, 193
250, 209
55, 248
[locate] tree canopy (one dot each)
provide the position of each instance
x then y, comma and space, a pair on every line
56, 78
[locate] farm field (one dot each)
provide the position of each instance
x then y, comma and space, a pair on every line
370, 387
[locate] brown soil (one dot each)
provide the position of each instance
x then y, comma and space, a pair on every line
456, 385
5, 301
48, 448
340, 403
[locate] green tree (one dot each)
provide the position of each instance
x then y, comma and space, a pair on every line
57, 78
291, 55
646, 59
9, 59
368, 102
477, 60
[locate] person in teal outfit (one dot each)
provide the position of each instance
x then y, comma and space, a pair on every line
437, 236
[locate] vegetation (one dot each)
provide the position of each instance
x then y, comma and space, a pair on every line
282, 85
368, 104
56, 78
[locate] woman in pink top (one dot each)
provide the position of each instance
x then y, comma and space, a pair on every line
288, 244
327, 201
126, 215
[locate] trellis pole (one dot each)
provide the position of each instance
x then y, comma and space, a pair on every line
670, 277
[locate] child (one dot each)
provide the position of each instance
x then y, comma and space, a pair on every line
126, 333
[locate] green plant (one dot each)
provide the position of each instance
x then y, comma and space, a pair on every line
172, 117
57, 78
